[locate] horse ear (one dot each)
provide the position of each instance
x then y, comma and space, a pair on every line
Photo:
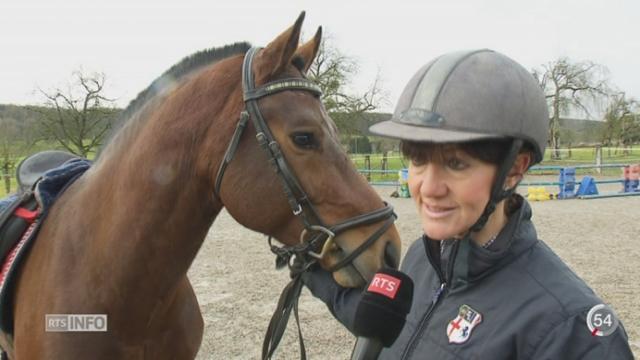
309, 50
280, 51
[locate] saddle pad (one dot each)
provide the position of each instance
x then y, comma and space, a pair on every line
6, 202
14, 222
16, 233
7, 206
47, 190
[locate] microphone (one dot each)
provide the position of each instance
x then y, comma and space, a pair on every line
381, 313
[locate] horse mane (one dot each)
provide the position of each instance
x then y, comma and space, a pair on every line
166, 81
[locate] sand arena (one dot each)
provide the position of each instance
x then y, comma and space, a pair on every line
237, 286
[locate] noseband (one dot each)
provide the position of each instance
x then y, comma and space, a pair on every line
316, 235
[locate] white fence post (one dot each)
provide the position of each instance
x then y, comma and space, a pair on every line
598, 159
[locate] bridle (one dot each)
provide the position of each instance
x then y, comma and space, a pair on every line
316, 234
315, 230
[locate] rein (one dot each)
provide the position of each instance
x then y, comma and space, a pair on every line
316, 235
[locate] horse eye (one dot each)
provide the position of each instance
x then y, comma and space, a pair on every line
303, 140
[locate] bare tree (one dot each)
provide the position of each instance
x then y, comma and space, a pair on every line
80, 117
332, 70
570, 86
622, 123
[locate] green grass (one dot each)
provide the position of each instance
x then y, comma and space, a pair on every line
14, 186
589, 154
578, 156
394, 163
39, 146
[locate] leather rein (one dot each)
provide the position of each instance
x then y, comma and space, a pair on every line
316, 235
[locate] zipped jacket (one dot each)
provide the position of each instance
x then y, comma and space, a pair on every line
514, 300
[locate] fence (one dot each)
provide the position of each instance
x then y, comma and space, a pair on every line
391, 177
590, 154
380, 169
383, 169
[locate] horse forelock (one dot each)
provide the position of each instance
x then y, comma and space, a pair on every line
135, 114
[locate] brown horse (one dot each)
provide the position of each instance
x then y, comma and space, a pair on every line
120, 240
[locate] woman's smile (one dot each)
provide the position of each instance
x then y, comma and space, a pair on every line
437, 212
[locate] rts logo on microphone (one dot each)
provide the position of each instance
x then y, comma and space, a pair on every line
384, 285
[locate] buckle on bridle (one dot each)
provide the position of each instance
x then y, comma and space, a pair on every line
328, 244
262, 138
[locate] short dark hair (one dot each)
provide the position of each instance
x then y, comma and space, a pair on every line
491, 151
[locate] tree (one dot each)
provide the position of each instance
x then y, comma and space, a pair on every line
332, 70
569, 137
569, 86
18, 138
23, 123
360, 145
11, 148
80, 117
622, 123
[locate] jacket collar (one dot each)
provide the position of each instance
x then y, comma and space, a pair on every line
463, 262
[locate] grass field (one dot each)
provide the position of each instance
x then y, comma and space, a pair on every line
3, 191
394, 163
575, 157
40, 146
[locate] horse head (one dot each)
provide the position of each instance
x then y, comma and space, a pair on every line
315, 189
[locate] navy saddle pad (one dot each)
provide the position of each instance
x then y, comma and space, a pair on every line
19, 224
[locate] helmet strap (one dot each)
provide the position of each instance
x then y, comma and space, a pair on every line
498, 192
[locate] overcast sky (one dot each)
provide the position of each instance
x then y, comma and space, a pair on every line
133, 41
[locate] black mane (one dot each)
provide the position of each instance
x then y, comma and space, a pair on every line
178, 71
185, 66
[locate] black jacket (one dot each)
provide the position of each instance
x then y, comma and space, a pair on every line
515, 300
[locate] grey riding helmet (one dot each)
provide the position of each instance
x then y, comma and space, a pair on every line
470, 95
473, 95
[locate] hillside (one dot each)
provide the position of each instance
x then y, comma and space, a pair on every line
574, 131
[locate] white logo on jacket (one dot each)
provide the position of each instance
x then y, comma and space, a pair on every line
459, 329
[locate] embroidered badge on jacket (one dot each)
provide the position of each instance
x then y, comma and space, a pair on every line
459, 329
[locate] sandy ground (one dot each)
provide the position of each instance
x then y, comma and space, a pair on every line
237, 285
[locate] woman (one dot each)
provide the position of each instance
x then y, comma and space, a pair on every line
471, 124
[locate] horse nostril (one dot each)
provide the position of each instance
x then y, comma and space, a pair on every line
391, 256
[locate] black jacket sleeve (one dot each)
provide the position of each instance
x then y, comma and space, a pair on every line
571, 340
342, 302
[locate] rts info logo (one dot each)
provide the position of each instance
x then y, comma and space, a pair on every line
76, 322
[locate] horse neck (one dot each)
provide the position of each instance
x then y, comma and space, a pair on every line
160, 204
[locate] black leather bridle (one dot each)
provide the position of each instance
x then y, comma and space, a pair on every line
316, 234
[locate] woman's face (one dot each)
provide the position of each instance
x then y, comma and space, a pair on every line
450, 191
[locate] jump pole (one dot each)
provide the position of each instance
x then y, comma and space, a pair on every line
601, 196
